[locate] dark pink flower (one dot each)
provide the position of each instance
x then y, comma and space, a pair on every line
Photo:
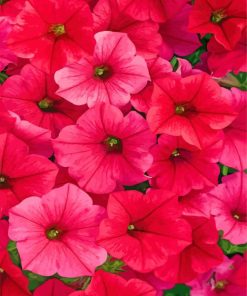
6, 56
181, 167
32, 96
234, 149
222, 61
106, 149
197, 258
176, 37
110, 76
229, 207
179, 108
4, 238
54, 34
107, 284
53, 287
158, 11
22, 174
144, 34
56, 233
144, 230
227, 279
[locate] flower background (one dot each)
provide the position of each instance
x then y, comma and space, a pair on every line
123, 148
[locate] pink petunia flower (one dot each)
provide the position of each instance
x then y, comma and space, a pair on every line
234, 150
6, 56
227, 279
176, 37
158, 11
224, 19
107, 284
197, 258
32, 96
12, 280
105, 149
229, 207
22, 174
144, 230
144, 34
181, 167
179, 108
53, 287
57, 33
111, 75
222, 61
56, 233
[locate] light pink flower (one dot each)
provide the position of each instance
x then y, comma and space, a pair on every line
111, 75
56, 233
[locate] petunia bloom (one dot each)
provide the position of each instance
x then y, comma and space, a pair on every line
12, 280
225, 19
179, 108
105, 149
144, 34
56, 233
53, 287
107, 284
22, 174
197, 258
158, 11
229, 207
57, 33
227, 279
32, 96
110, 76
144, 230
181, 167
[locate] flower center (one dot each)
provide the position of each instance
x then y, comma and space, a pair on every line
53, 233
218, 16
1, 270
57, 29
131, 227
241, 217
220, 285
4, 182
102, 72
3, 1
46, 105
175, 153
180, 109
113, 144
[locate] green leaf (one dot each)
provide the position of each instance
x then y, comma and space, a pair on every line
3, 77
142, 187
35, 280
112, 265
174, 63
231, 249
178, 290
13, 252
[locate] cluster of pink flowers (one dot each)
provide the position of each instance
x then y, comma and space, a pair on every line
112, 146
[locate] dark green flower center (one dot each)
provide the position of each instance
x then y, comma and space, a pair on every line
53, 233
3, 1
131, 227
4, 182
218, 16
180, 109
113, 144
57, 29
175, 153
46, 105
102, 72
